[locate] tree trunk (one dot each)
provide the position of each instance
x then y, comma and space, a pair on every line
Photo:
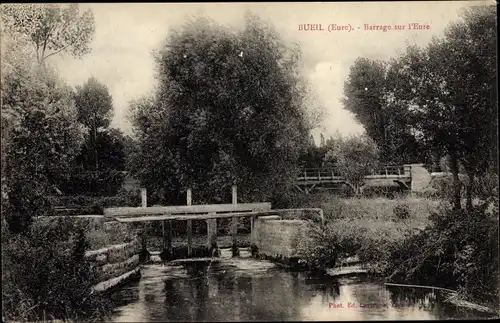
456, 200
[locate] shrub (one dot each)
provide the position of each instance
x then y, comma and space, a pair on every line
95, 204
106, 182
458, 249
46, 275
401, 211
319, 249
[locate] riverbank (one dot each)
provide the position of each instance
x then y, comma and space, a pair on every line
413, 241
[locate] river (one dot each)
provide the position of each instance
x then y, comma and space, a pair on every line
251, 290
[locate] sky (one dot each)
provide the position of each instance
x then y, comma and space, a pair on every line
127, 33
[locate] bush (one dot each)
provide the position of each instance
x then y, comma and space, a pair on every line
45, 273
94, 204
319, 249
442, 187
96, 183
401, 211
458, 249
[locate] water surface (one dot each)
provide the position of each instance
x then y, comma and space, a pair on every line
251, 290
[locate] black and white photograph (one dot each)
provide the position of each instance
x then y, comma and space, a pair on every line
249, 161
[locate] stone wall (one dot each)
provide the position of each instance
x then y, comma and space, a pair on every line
276, 238
114, 265
115, 258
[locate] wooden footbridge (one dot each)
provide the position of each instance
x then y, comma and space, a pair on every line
328, 178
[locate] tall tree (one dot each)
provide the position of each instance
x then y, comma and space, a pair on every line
52, 28
230, 108
95, 106
366, 97
450, 92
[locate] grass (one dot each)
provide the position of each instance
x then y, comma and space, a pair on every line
367, 227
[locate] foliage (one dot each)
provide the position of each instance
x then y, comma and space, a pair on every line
365, 96
355, 158
229, 109
320, 249
52, 28
94, 183
86, 204
42, 136
448, 92
94, 104
313, 157
45, 273
459, 248
98, 167
402, 211
110, 150
363, 227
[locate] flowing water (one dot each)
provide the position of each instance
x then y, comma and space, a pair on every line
250, 290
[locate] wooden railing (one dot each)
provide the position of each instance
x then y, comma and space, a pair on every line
332, 173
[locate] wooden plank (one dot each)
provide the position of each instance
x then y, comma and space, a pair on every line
185, 209
211, 232
190, 237
211, 216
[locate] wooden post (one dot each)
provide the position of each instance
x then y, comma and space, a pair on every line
211, 234
190, 237
234, 232
386, 174
253, 240
144, 197
189, 226
167, 238
319, 174
235, 195
188, 196
234, 225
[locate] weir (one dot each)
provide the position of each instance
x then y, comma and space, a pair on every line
210, 213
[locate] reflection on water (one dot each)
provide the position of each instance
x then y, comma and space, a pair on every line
250, 290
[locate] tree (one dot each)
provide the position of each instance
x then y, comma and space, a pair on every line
103, 157
366, 97
51, 28
110, 148
41, 135
355, 157
94, 105
229, 109
450, 92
